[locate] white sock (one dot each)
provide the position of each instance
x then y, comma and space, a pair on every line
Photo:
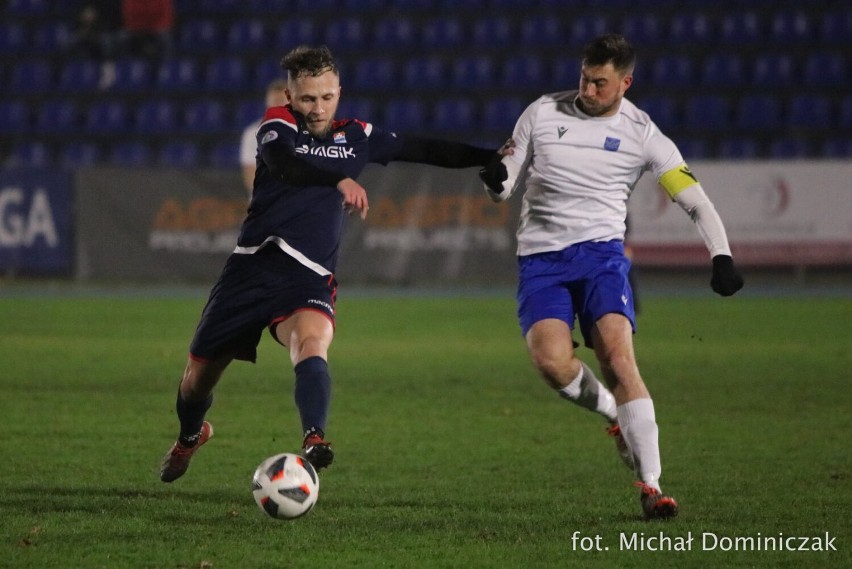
638, 424
586, 391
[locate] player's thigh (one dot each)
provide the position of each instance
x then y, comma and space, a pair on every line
306, 333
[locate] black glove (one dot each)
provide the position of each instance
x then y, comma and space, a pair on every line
494, 174
726, 278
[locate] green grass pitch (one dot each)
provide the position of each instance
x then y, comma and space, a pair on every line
450, 452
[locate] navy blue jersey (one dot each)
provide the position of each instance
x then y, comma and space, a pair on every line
306, 222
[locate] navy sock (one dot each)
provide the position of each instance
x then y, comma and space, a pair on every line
191, 416
313, 393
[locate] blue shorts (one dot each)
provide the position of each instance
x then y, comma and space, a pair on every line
255, 292
586, 281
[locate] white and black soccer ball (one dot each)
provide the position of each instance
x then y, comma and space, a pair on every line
285, 486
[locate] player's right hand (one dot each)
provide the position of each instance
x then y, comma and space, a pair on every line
354, 196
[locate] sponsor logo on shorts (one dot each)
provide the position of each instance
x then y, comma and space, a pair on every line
323, 304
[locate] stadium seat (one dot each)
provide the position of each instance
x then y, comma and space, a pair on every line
470, 5
28, 154
405, 115
130, 154
316, 5
58, 116
758, 112
773, 70
226, 74
501, 114
375, 73
738, 28
225, 156
835, 28
723, 70
219, 6
246, 36
14, 38
738, 149
79, 155
693, 148
473, 72
789, 148
250, 110
565, 73
156, 116
809, 111
791, 27
690, 28
836, 148
492, 30
80, 76
27, 7
266, 71
366, 5
675, 70
199, 36
51, 37
294, 31
204, 116
662, 110
14, 117
442, 33
525, 71
538, 31
356, 108
414, 5
454, 115
424, 73
347, 34
707, 112
132, 75
178, 75
32, 76
586, 27
394, 33
178, 154
825, 69
643, 29
107, 116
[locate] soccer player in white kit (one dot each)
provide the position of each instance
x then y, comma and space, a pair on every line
275, 97
578, 156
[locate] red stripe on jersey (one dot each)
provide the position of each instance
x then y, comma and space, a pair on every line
281, 113
343, 122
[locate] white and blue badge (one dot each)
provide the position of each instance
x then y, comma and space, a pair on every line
269, 137
612, 144
339, 138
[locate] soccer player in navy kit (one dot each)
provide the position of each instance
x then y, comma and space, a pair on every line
281, 274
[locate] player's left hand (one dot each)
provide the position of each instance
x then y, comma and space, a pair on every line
726, 278
507, 149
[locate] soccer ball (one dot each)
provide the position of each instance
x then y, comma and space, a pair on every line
285, 486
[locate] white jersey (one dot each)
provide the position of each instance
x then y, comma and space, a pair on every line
580, 170
248, 144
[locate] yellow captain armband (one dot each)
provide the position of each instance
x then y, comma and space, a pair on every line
677, 179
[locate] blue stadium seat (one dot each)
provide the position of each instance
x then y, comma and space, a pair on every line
365, 5
14, 117
586, 27
738, 149
32, 76
360, 108
133, 75
773, 70
835, 28
791, 27
179, 154
492, 30
130, 154
414, 5
643, 28
394, 33
809, 111
219, 6
707, 112
107, 116
372, 73
424, 73
347, 34
473, 72
454, 115
826, 69
789, 148
250, 110
294, 31
58, 116
565, 73
501, 114
542, 31
79, 155
24, 154
14, 38
469, 5
156, 116
178, 75
836, 148
204, 116
405, 115
266, 71
662, 109
246, 35
676, 70
316, 5
442, 33
51, 37
738, 28
525, 71
226, 74
693, 148
199, 36
758, 113
27, 7
225, 156
690, 28
723, 70
80, 76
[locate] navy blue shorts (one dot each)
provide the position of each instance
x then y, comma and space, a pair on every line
586, 281
256, 292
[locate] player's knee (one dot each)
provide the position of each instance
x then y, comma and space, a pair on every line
556, 369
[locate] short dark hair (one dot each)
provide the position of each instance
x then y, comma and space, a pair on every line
305, 60
610, 48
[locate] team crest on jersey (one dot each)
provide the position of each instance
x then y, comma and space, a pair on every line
269, 137
339, 137
612, 144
